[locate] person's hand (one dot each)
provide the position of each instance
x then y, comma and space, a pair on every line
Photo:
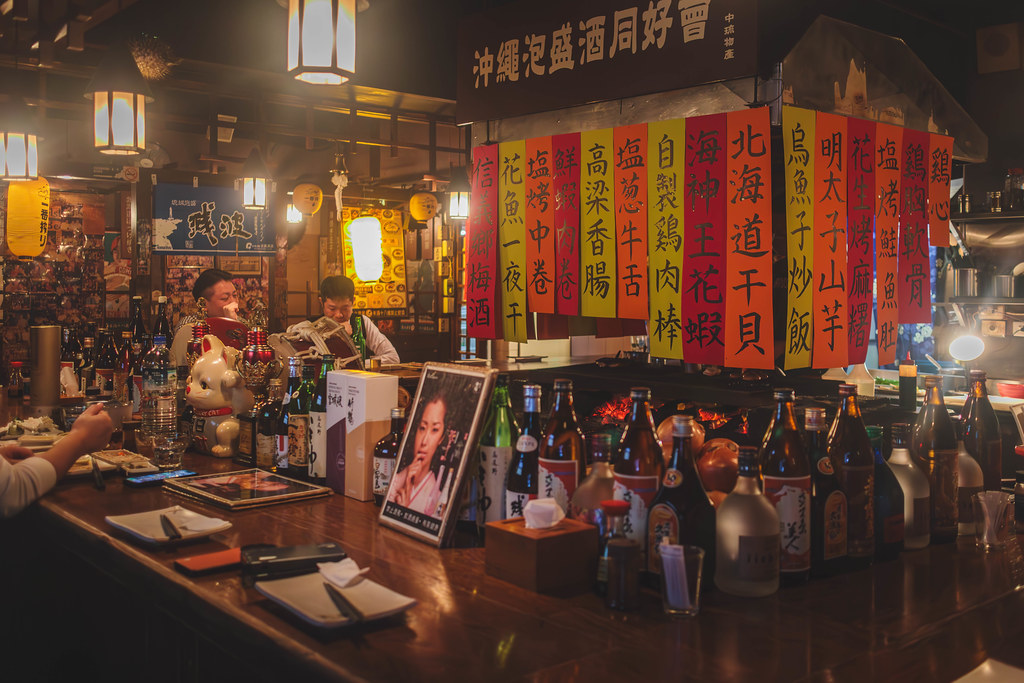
15, 453
93, 428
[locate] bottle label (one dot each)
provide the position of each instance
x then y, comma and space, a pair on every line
791, 497
515, 503
893, 529
662, 524
383, 468
557, 479
137, 397
298, 440
965, 503
494, 462
282, 450
266, 451
154, 379
825, 467
835, 526
317, 445
638, 492
526, 444
919, 522
673, 478
105, 380
245, 438
758, 558
858, 483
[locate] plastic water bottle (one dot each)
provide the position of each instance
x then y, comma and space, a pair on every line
159, 381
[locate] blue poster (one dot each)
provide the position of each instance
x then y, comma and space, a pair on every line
207, 220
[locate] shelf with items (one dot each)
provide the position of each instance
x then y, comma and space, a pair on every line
987, 217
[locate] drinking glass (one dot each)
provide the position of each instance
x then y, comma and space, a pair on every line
168, 448
681, 568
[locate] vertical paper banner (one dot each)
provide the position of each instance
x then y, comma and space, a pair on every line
940, 159
704, 240
830, 347
888, 147
540, 237
912, 271
482, 247
860, 242
631, 220
566, 152
666, 171
749, 338
597, 225
512, 238
798, 145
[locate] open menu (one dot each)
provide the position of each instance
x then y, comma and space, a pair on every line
245, 488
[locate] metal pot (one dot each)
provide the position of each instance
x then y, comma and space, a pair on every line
965, 282
1002, 286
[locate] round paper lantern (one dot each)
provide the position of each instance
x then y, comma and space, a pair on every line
423, 206
307, 198
28, 217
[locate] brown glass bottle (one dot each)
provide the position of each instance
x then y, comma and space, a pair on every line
561, 453
828, 502
934, 451
853, 460
639, 466
786, 473
981, 432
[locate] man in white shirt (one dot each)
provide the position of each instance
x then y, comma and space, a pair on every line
25, 476
337, 294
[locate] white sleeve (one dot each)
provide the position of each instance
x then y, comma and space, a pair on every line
22, 483
180, 345
378, 345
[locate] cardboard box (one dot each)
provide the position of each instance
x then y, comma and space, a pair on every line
358, 416
561, 560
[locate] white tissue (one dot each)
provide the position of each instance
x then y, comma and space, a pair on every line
543, 513
342, 573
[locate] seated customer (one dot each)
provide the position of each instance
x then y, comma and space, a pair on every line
337, 294
216, 288
25, 476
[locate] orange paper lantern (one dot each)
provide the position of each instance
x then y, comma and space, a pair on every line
307, 198
28, 217
423, 206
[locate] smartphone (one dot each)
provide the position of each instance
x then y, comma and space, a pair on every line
275, 563
158, 478
197, 565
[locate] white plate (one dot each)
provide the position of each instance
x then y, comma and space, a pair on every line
84, 466
146, 526
307, 598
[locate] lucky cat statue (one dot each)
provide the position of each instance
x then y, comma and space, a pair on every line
217, 393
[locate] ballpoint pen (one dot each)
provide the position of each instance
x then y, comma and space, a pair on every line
169, 528
97, 475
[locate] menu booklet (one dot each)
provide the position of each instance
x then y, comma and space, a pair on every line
245, 488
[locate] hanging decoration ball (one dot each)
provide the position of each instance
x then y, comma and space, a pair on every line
308, 198
423, 206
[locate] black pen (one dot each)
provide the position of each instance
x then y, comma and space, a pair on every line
342, 603
97, 475
169, 528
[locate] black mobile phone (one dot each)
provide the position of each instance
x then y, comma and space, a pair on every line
158, 478
260, 563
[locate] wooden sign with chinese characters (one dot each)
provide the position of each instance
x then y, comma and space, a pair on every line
940, 157
540, 237
597, 225
749, 339
666, 171
830, 348
912, 271
482, 302
888, 149
860, 276
566, 152
704, 240
798, 146
512, 238
631, 220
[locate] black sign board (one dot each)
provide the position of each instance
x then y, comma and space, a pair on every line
539, 55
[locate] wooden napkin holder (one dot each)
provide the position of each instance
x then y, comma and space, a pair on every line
560, 560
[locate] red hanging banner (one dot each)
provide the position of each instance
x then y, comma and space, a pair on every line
540, 237
860, 245
940, 158
831, 319
704, 241
566, 152
630, 145
912, 272
749, 338
888, 146
482, 304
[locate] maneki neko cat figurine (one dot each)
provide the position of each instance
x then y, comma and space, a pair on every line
217, 394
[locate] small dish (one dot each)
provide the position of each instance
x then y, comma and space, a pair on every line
146, 526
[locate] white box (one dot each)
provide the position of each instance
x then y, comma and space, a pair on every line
358, 416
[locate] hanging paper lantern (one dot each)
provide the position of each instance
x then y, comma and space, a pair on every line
307, 198
423, 206
364, 234
28, 217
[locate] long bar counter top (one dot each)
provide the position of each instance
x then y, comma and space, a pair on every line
933, 614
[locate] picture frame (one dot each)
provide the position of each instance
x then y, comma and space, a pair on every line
440, 439
244, 488
1017, 410
240, 266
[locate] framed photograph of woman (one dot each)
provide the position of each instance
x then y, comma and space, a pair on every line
437, 451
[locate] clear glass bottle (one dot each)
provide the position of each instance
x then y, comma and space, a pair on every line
598, 486
521, 483
889, 509
970, 480
639, 466
497, 446
561, 456
828, 502
385, 455
981, 431
748, 539
934, 451
916, 495
159, 383
853, 461
15, 381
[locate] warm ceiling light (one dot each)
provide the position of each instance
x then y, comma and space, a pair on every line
322, 40
18, 142
292, 214
254, 182
367, 253
119, 94
967, 347
458, 195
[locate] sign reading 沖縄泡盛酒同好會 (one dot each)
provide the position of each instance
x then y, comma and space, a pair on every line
190, 220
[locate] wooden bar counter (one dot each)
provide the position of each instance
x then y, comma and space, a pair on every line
933, 614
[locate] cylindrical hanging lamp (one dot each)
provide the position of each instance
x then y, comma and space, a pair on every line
119, 94
458, 195
254, 181
19, 156
322, 40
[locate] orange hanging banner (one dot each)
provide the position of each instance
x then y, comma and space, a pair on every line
540, 236
913, 276
483, 319
630, 143
749, 338
888, 146
830, 349
940, 157
566, 154
860, 253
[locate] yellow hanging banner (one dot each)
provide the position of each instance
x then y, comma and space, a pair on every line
798, 147
512, 238
597, 225
28, 217
666, 146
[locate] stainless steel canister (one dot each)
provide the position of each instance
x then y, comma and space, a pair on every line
44, 347
1002, 286
965, 282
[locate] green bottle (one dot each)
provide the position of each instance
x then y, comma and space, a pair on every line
298, 424
497, 444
